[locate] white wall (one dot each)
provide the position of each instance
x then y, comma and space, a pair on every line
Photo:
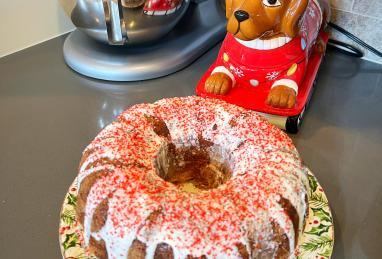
26, 23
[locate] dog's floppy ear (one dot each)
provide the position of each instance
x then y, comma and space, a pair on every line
294, 11
228, 8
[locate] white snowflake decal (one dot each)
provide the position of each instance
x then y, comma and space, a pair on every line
236, 71
272, 75
303, 28
311, 12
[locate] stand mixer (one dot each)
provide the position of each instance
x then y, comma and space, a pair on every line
129, 40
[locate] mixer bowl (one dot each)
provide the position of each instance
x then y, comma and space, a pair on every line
125, 22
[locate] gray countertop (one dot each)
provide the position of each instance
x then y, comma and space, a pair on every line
48, 114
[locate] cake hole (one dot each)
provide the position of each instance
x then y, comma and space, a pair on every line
192, 168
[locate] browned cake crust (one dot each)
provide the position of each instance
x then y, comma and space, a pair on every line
242, 250
163, 251
292, 213
193, 257
83, 193
97, 248
137, 250
159, 126
283, 250
100, 215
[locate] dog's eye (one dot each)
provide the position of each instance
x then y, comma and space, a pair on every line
271, 3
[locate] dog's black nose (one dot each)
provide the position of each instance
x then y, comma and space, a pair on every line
241, 15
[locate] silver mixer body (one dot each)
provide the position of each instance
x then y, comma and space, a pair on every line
130, 40
116, 22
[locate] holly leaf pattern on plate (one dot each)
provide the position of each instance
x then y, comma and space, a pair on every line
71, 240
318, 231
322, 215
312, 183
72, 199
68, 216
321, 244
318, 200
327, 252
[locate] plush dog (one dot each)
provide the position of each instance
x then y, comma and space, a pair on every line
268, 44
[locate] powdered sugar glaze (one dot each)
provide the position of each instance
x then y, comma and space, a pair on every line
265, 167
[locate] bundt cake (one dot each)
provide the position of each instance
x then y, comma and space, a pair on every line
191, 178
